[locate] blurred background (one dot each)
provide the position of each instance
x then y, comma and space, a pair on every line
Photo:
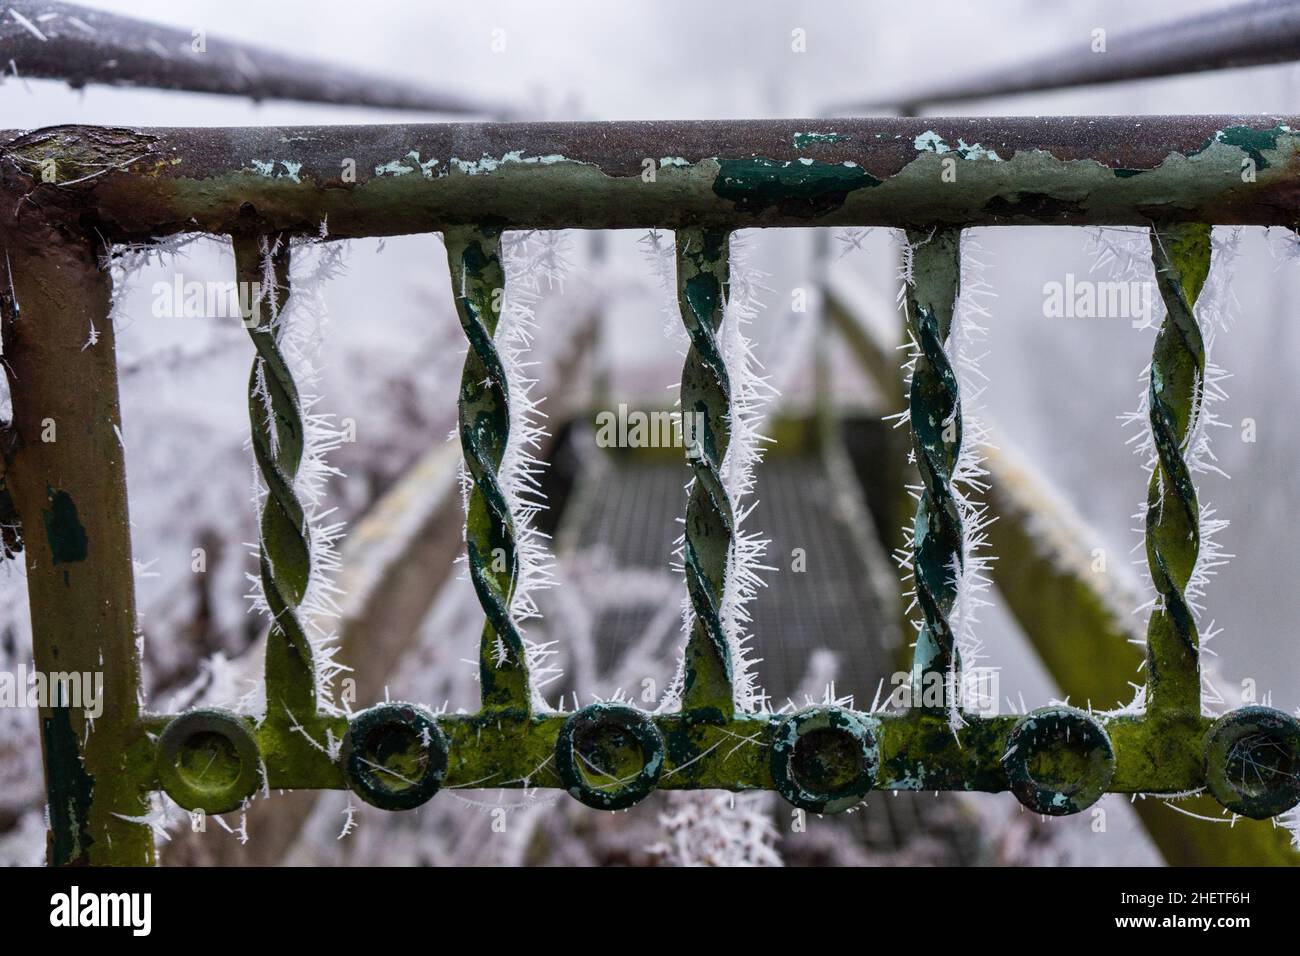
390, 354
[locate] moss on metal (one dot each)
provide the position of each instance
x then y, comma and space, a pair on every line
478, 280
478, 180
1181, 254
702, 275
137, 184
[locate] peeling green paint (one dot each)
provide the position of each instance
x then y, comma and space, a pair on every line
488, 164
70, 789
805, 189
804, 140
707, 746
410, 163
63, 530
266, 167
932, 142
1253, 142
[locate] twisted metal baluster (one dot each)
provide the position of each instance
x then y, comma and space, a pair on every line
275, 417
710, 526
478, 282
935, 409
1181, 254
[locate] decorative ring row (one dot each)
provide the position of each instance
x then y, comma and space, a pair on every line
1058, 760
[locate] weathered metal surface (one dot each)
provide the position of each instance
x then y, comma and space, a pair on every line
1181, 255
394, 756
275, 420
609, 756
395, 561
478, 283
1081, 625
918, 751
1058, 760
11, 532
63, 41
1247, 34
702, 263
708, 179
134, 184
934, 413
68, 482
833, 775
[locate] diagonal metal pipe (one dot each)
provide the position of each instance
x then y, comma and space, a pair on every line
63, 41
1249, 34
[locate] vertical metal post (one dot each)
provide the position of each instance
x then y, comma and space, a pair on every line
702, 263
1181, 255
68, 483
935, 412
478, 285
276, 424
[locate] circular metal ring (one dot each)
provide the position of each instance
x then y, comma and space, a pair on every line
394, 756
1252, 761
824, 759
593, 743
1081, 749
208, 760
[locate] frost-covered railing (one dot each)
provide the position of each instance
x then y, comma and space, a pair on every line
66, 193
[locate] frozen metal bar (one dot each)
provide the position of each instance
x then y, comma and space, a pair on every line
478, 284
135, 184
68, 481
1249, 34
63, 41
1181, 257
702, 277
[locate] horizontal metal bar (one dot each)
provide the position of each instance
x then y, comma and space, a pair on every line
132, 184
64, 41
1250, 34
918, 751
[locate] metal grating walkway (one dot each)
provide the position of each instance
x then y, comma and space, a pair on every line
631, 512
624, 513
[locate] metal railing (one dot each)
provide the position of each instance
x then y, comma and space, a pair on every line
68, 193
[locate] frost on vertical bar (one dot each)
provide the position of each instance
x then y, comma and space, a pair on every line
702, 258
934, 410
276, 422
1181, 255
478, 284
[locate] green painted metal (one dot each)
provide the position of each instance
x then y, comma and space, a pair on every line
710, 526
398, 755
1059, 760
70, 493
394, 756
478, 282
934, 412
275, 420
137, 184
1181, 254
1079, 622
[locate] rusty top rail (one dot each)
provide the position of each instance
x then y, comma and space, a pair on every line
1250, 34
133, 184
62, 41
